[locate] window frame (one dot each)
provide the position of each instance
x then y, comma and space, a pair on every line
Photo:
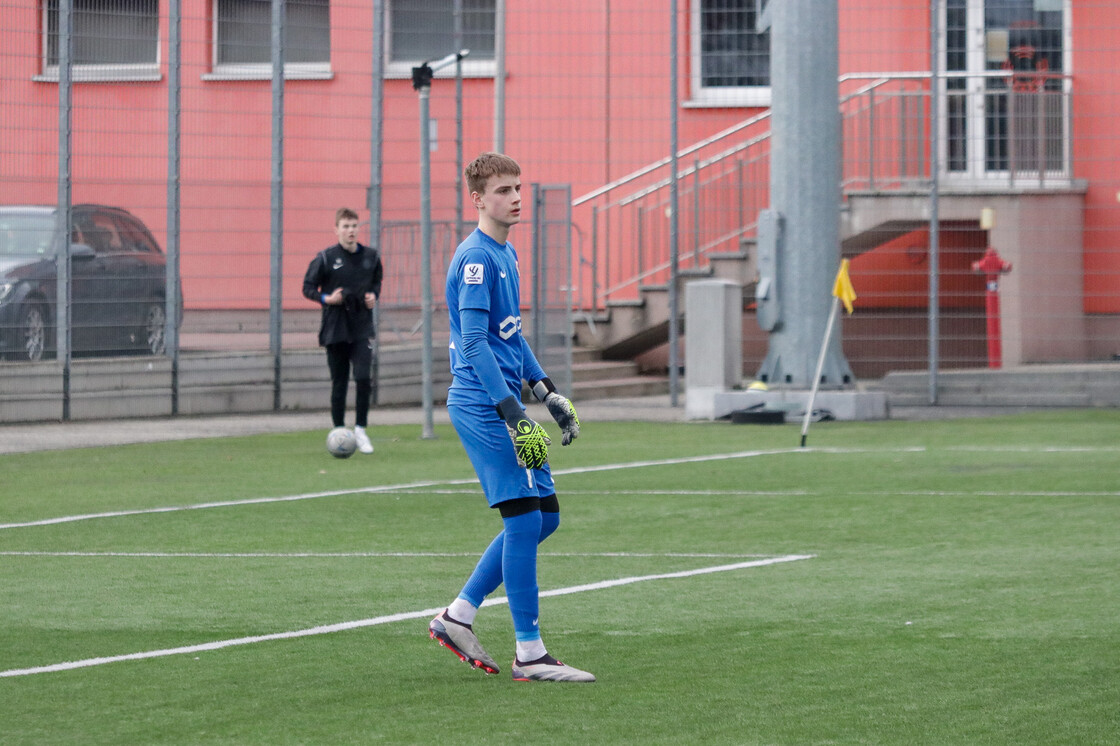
98, 71
134, 235
320, 70
402, 69
702, 96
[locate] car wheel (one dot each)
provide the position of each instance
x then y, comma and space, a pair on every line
33, 332
155, 329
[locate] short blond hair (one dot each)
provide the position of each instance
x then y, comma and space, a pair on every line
481, 169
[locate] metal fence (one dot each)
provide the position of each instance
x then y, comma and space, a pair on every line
184, 161
550, 308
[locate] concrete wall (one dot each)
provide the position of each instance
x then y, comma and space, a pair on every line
1040, 233
215, 382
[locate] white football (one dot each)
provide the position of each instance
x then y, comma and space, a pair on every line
341, 442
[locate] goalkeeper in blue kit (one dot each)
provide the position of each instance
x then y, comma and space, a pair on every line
509, 451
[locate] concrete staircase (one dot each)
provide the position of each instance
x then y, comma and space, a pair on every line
627, 328
1040, 296
595, 378
209, 382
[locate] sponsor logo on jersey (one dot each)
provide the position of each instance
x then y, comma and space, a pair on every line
472, 274
510, 325
337, 263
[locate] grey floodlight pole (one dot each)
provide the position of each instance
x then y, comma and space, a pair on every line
799, 235
422, 82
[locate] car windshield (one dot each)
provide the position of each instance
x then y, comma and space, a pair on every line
26, 235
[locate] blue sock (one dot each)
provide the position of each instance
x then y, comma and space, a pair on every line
519, 570
487, 575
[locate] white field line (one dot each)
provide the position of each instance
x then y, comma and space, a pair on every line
1035, 449
993, 493
683, 493
375, 621
366, 555
426, 484
429, 485
229, 503
810, 493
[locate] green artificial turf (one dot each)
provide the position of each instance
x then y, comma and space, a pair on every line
961, 588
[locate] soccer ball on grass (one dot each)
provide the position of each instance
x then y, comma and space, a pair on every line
341, 442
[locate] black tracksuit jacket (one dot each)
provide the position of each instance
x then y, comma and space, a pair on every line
357, 274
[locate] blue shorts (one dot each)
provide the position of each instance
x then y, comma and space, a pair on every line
486, 440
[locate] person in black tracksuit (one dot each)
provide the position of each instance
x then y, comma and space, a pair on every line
346, 280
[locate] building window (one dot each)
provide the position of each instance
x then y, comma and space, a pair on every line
243, 39
424, 30
112, 39
730, 58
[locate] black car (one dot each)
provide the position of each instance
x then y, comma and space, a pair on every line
118, 283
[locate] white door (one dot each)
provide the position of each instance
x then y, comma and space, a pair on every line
1005, 90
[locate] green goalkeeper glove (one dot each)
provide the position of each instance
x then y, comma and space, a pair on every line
530, 442
560, 408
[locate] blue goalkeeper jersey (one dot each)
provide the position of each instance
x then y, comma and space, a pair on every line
483, 276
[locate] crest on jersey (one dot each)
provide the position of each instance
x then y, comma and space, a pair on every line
472, 274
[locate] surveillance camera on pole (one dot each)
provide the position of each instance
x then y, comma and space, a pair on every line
422, 75
422, 82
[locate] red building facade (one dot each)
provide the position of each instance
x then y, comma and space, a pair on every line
586, 103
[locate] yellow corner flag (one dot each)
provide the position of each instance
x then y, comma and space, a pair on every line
843, 288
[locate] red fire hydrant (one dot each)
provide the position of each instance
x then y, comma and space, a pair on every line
992, 265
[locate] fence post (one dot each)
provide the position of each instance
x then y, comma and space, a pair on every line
422, 82
932, 310
275, 305
1040, 127
871, 139
174, 113
373, 197
536, 339
1012, 133
63, 315
696, 212
594, 258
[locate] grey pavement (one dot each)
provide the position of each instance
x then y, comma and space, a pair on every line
45, 436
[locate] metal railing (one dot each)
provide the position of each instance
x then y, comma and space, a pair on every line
1016, 134
1021, 134
622, 228
629, 222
